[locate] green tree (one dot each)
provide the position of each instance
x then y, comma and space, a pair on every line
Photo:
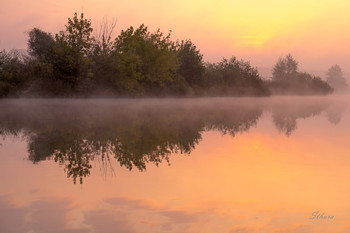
148, 62
72, 49
234, 78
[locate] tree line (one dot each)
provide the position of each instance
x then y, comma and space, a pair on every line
137, 63
287, 79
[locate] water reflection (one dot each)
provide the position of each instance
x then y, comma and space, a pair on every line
74, 133
285, 113
335, 111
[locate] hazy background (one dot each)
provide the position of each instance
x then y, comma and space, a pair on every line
315, 32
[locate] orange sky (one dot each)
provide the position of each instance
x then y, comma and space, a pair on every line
314, 31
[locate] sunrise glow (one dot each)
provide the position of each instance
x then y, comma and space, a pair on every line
259, 31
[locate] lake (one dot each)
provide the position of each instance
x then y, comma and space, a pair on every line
231, 165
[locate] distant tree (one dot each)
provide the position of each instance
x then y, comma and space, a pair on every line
310, 84
336, 79
191, 63
287, 80
285, 68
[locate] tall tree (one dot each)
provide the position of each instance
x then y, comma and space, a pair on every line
72, 48
285, 68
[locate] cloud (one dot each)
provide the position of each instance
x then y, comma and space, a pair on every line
294, 228
108, 221
179, 216
12, 219
127, 203
142, 215
44, 216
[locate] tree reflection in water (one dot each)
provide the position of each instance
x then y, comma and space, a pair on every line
134, 132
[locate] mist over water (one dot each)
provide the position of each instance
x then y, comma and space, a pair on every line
175, 165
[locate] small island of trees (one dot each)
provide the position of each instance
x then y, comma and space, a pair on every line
140, 63
286, 79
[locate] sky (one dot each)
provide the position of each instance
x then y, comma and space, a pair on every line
315, 32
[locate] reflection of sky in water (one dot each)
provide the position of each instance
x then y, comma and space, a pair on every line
261, 180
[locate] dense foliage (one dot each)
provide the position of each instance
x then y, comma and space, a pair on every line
136, 63
234, 78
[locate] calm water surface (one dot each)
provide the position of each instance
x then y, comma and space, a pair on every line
235, 165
